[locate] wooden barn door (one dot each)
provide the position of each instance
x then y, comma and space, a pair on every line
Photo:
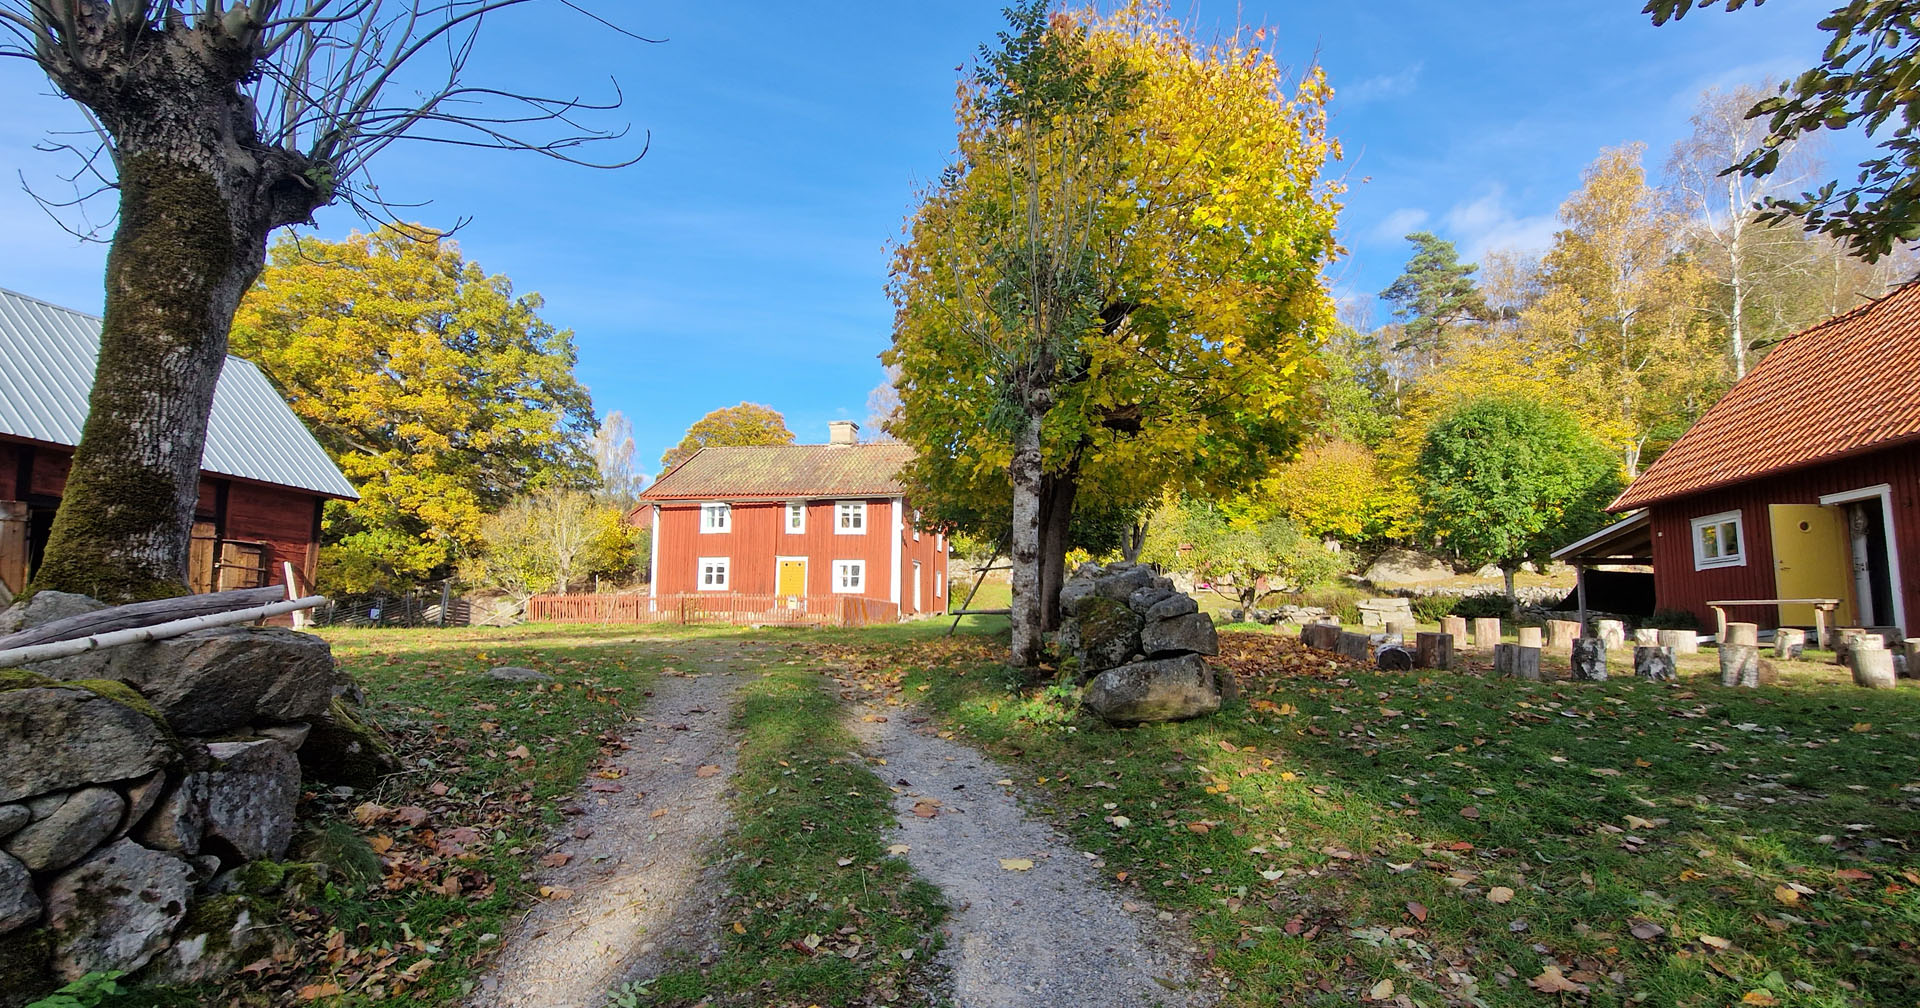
13, 546
1810, 560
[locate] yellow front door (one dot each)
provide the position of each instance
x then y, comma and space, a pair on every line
793, 578
1811, 559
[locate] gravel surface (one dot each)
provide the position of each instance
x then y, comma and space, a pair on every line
639, 895
1050, 936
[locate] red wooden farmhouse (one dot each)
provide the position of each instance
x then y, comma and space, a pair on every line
1802, 483
805, 527
263, 478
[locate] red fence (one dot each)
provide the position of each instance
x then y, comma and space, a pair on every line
713, 607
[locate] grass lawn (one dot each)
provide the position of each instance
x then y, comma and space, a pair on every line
1440, 838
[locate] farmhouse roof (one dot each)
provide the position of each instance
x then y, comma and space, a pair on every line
781, 472
47, 356
1840, 388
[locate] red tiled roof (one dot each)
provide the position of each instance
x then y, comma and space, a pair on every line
776, 472
1844, 386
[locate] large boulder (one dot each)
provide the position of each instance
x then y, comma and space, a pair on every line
1105, 634
58, 736
214, 681
1168, 689
44, 607
1192, 633
252, 789
1405, 566
71, 825
341, 749
115, 910
19, 906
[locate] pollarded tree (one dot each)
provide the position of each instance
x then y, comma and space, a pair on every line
730, 426
1115, 289
1508, 481
219, 123
439, 392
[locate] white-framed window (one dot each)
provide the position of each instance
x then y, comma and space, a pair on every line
713, 574
1719, 540
850, 518
716, 518
849, 577
939, 583
796, 519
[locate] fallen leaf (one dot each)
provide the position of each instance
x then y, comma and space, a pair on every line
843, 862
898, 849
1016, 864
1645, 930
520, 752
1786, 895
705, 770
1382, 991
410, 815
1550, 981
1418, 910
557, 859
316, 991
1636, 822
1713, 941
1470, 812
1759, 996
1862, 727
380, 844
926, 808
739, 928
1499, 894
1198, 827
555, 892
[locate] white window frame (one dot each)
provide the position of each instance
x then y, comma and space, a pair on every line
842, 510
939, 583
860, 575
1884, 493
725, 511
725, 565
794, 509
1701, 561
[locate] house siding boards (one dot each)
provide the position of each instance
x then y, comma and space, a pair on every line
1679, 586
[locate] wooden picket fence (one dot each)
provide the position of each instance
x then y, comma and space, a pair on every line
713, 607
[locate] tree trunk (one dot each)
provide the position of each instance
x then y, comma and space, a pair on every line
1057, 495
1513, 598
1025, 550
1136, 541
176, 272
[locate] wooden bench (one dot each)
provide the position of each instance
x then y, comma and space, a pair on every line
1822, 607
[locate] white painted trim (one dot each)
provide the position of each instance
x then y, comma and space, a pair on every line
1885, 493
804, 571
918, 604
837, 590
1703, 562
893, 574
700, 574
653, 561
725, 527
865, 524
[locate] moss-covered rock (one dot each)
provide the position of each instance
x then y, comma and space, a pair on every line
66, 735
342, 750
1107, 633
26, 967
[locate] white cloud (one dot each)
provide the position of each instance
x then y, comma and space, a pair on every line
1382, 86
1400, 223
1488, 223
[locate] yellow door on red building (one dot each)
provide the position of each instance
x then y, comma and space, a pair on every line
792, 578
1811, 559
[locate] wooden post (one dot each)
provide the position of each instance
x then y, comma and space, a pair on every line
1393, 658
1872, 668
1680, 641
1789, 643
1646, 637
1503, 659
1589, 659
1400, 628
1456, 628
13, 549
1741, 633
1612, 633
1433, 650
1486, 633
1354, 645
1528, 636
1740, 665
1653, 663
1562, 633
1323, 636
1580, 591
1526, 662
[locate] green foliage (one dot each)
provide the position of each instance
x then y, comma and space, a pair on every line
553, 540
439, 392
1869, 75
1505, 481
731, 426
1356, 397
1674, 619
85, 992
1433, 294
1251, 557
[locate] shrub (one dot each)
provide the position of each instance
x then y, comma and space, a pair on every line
1674, 619
1482, 606
1434, 608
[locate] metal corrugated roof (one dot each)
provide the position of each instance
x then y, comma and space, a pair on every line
47, 355
1842, 387
778, 471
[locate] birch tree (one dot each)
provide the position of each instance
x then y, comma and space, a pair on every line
218, 123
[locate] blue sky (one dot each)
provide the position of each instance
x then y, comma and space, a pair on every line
745, 257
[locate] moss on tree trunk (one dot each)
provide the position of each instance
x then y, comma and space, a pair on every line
175, 275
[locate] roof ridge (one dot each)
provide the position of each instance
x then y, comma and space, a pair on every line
48, 304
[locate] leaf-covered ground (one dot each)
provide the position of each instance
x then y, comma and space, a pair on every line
1450, 838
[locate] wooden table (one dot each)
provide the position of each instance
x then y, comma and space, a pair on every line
1821, 608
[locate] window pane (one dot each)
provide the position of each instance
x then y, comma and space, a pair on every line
1730, 539
1710, 541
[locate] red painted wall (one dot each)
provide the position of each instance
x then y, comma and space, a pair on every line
758, 538
1678, 586
282, 517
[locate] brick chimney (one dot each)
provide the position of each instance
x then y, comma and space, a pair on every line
843, 432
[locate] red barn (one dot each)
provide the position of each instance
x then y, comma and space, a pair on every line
797, 522
263, 477
1802, 482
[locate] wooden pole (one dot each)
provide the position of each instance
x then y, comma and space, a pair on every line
141, 614
1580, 589
160, 631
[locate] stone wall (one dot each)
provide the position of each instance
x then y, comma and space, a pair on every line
1138, 644
143, 786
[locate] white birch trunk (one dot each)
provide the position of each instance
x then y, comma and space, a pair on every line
1028, 607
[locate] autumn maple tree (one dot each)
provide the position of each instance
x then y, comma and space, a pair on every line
744, 425
440, 393
1115, 288
219, 123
